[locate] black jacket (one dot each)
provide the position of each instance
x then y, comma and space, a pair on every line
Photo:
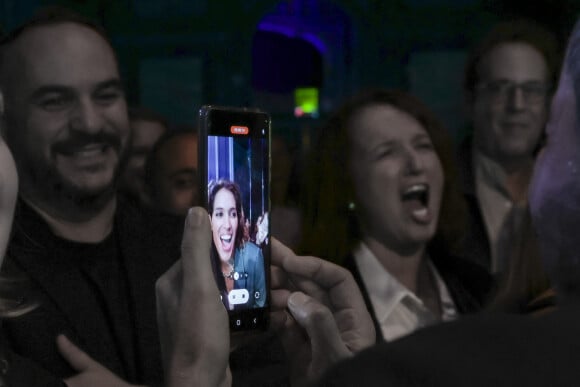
475, 244
148, 245
484, 350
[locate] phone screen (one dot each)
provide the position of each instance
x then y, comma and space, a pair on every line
237, 177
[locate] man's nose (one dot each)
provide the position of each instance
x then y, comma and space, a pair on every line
87, 117
516, 99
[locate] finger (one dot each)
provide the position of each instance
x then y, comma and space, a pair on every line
199, 286
278, 278
278, 320
320, 325
168, 287
74, 356
279, 299
322, 272
280, 253
166, 282
311, 273
195, 253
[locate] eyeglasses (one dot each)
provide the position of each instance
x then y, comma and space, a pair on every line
533, 92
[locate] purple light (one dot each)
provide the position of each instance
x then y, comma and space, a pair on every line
292, 32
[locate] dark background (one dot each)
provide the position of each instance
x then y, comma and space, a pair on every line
178, 54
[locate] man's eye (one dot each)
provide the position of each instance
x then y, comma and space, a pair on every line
534, 89
183, 183
108, 97
498, 87
54, 103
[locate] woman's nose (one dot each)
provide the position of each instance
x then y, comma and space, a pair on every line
413, 162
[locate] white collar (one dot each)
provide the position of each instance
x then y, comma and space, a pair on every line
386, 292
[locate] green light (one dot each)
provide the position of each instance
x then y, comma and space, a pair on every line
306, 100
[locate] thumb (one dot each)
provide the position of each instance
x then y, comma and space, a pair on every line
321, 327
195, 252
74, 356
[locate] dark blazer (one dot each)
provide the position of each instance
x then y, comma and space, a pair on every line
148, 245
469, 285
475, 245
484, 350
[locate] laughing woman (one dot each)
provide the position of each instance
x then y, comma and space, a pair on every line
379, 199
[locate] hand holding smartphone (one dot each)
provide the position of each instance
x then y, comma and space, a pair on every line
234, 152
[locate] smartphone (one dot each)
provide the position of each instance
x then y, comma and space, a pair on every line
234, 165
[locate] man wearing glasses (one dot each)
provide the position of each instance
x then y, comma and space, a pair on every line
508, 82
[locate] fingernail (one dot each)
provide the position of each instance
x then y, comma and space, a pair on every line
297, 299
194, 217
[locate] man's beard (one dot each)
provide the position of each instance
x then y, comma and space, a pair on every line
55, 187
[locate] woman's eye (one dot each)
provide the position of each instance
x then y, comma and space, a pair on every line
385, 152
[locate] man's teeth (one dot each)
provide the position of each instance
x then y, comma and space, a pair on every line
91, 149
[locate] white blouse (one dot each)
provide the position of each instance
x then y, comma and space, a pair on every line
398, 310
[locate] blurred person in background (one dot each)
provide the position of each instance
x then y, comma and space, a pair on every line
171, 173
508, 83
147, 127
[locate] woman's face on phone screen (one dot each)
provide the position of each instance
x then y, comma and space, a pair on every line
224, 223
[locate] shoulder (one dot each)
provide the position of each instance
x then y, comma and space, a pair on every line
469, 283
501, 343
250, 250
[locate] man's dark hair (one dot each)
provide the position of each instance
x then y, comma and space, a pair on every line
519, 31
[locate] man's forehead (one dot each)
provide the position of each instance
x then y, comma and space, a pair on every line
63, 47
515, 60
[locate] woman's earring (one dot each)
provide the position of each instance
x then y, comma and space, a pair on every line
351, 206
